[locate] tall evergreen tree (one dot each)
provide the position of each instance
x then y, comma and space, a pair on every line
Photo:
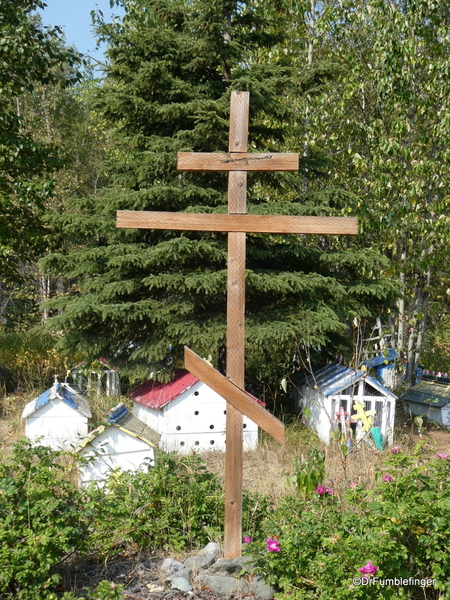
173, 65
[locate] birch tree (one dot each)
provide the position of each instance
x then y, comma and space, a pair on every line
387, 125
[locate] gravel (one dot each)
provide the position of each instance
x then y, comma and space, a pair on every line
149, 577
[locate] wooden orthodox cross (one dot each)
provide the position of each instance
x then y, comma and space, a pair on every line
237, 161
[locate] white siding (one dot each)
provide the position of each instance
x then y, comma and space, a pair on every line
112, 449
194, 421
59, 425
323, 410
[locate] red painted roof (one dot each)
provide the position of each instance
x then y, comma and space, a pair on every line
156, 395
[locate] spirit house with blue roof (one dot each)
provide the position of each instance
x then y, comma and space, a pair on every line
349, 401
58, 418
122, 443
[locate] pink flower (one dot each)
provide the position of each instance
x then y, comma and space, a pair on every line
247, 539
368, 569
352, 484
324, 490
442, 455
387, 478
395, 449
273, 545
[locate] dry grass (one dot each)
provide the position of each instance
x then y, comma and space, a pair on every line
267, 469
11, 425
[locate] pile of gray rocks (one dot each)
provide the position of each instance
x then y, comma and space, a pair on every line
221, 576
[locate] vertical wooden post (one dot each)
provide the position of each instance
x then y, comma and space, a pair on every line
237, 204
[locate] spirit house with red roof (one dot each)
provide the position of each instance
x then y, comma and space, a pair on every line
188, 414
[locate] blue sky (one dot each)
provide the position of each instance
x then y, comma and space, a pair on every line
74, 17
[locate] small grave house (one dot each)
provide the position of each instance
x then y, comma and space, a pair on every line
124, 442
99, 377
188, 414
384, 367
330, 395
430, 397
59, 416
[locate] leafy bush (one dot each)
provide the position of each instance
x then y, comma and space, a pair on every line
175, 505
402, 526
30, 359
106, 590
40, 521
309, 472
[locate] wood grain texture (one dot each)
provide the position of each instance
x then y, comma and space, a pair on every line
234, 467
237, 203
237, 161
236, 308
239, 112
239, 399
237, 222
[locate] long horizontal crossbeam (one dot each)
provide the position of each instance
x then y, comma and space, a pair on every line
237, 161
237, 223
242, 401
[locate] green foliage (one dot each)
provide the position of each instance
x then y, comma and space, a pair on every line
177, 505
436, 351
167, 89
401, 526
30, 55
40, 521
30, 360
45, 518
106, 590
384, 120
309, 473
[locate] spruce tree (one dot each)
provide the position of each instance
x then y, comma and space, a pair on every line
172, 67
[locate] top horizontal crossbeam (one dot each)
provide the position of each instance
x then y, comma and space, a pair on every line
237, 161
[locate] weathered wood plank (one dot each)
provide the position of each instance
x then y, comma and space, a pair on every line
237, 203
239, 112
242, 401
237, 222
237, 161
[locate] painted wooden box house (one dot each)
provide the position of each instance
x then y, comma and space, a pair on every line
188, 414
124, 442
384, 367
59, 416
100, 378
330, 395
430, 397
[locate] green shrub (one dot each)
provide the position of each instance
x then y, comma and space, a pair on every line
106, 590
402, 526
40, 521
176, 504
30, 360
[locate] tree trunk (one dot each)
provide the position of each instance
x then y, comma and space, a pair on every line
401, 308
44, 293
424, 313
